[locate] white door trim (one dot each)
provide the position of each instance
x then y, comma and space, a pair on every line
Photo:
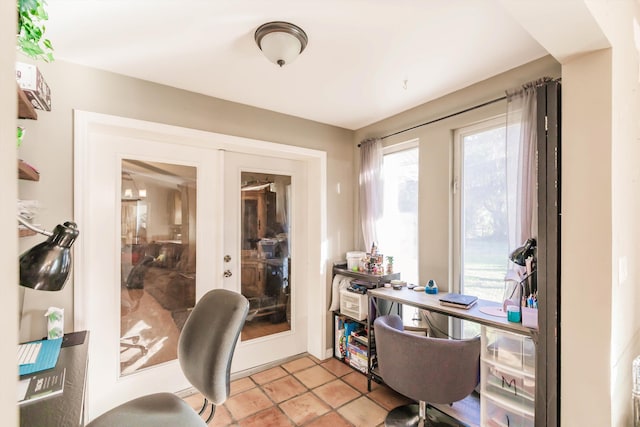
87, 124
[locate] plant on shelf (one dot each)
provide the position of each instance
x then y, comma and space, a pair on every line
389, 265
19, 135
32, 16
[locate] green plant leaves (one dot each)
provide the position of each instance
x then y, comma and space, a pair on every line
19, 135
31, 18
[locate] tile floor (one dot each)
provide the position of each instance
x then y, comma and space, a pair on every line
304, 392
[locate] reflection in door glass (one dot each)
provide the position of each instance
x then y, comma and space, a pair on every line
158, 260
266, 259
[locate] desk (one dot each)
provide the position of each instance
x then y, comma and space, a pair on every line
431, 302
66, 409
508, 382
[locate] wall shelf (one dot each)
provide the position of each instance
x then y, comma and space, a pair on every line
25, 109
27, 172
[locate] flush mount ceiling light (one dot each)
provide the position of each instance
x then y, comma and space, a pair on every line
281, 42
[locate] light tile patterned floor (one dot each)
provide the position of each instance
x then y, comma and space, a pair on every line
304, 392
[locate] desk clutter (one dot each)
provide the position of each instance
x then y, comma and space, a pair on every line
350, 308
369, 262
351, 344
56, 396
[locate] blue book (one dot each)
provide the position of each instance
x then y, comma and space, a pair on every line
47, 357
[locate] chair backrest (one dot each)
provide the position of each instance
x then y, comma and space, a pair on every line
434, 370
208, 340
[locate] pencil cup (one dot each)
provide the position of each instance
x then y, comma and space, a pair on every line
513, 313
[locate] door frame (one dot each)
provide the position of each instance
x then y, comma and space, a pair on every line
87, 125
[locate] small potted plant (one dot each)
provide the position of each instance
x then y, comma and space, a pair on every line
389, 264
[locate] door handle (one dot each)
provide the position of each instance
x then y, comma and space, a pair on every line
227, 273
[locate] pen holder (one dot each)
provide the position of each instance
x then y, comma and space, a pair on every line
513, 313
530, 317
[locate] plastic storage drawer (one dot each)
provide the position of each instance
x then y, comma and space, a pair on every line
353, 305
517, 388
498, 415
506, 348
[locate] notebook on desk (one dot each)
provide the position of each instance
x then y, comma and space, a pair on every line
458, 300
46, 358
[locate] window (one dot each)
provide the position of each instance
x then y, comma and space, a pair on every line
398, 229
481, 238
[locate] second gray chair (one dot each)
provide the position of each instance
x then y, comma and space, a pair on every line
205, 350
425, 369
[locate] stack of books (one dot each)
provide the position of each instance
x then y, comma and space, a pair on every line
458, 300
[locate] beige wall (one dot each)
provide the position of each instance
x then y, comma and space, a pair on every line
8, 192
436, 157
586, 224
620, 23
49, 142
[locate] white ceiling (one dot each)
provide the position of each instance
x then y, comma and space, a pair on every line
351, 74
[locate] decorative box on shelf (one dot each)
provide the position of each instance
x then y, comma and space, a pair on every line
33, 85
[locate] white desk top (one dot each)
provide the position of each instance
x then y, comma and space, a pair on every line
431, 302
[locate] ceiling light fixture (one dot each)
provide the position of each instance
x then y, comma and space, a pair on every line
281, 42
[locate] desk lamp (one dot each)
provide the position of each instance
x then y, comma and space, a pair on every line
46, 266
520, 256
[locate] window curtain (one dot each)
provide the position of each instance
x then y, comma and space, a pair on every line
521, 138
370, 181
522, 170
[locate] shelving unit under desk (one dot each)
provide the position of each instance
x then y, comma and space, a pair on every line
375, 281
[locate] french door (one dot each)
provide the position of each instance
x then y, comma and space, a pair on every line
166, 217
263, 251
150, 209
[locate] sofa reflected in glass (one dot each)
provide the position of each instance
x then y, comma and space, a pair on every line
163, 270
265, 283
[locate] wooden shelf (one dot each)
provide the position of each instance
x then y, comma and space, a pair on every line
25, 109
24, 232
27, 172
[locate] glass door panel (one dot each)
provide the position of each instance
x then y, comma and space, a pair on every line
265, 256
158, 260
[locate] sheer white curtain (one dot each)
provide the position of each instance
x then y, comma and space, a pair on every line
521, 165
371, 197
522, 169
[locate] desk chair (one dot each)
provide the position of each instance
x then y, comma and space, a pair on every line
205, 350
425, 369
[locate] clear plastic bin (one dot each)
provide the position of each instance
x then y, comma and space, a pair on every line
518, 388
497, 415
506, 348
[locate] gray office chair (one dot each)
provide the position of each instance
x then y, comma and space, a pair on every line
205, 350
425, 369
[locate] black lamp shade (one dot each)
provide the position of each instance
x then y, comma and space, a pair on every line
520, 255
46, 266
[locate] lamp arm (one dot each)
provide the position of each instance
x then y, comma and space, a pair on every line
34, 228
526, 276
